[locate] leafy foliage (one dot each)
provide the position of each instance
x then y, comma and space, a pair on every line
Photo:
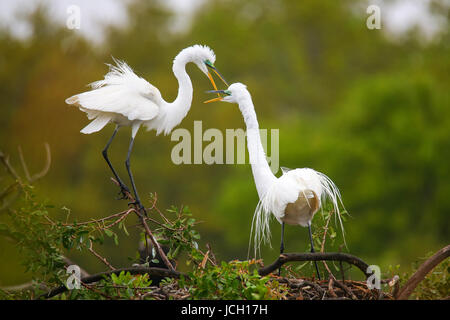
232, 280
40, 241
179, 234
44, 243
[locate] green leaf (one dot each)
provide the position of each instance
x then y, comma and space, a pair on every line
108, 232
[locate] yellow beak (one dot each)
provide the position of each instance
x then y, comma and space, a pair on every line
213, 83
220, 76
215, 99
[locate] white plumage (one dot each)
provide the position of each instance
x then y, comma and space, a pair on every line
122, 97
294, 197
126, 99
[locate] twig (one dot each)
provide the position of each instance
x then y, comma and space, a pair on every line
48, 162
314, 285
96, 291
213, 257
423, 270
205, 259
119, 214
99, 276
345, 288
157, 210
119, 220
5, 193
330, 287
24, 165
5, 160
102, 259
315, 256
322, 247
162, 225
23, 286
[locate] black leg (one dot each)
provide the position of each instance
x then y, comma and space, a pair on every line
123, 187
312, 249
127, 164
281, 245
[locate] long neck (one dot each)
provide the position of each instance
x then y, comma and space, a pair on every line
185, 89
179, 108
262, 174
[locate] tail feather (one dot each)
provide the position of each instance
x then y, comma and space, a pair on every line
96, 125
72, 100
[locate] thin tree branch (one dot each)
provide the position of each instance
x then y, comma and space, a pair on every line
102, 259
48, 162
5, 160
324, 237
96, 291
23, 286
344, 287
24, 165
119, 214
322, 248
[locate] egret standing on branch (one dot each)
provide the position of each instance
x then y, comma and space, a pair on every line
129, 100
294, 197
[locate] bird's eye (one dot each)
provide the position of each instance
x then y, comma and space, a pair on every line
227, 92
209, 63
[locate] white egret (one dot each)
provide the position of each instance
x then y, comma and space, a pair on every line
294, 197
126, 99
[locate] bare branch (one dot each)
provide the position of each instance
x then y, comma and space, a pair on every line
322, 248
315, 256
102, 259
5, 160
24, 165
48, 162
23, 286
421, 273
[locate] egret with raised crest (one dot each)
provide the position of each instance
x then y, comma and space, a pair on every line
126, 99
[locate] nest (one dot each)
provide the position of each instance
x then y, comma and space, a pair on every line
298, 289
302, 289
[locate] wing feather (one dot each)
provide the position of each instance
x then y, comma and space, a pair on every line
121, 92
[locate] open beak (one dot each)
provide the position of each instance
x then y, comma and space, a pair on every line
220, 98
213, 83
213, 100
218, 74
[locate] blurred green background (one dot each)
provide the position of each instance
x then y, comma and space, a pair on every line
366, 108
